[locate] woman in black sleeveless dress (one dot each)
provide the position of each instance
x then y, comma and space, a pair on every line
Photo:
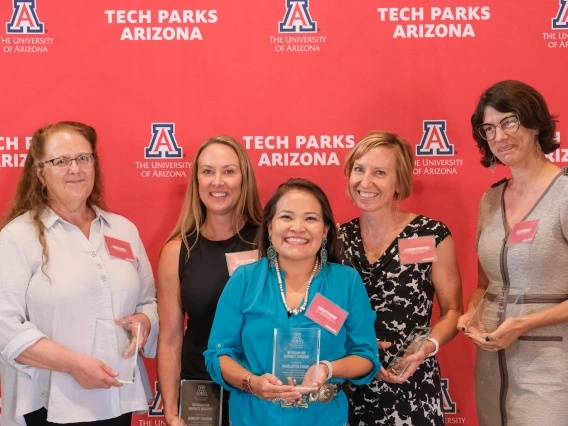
380, 176
220, 214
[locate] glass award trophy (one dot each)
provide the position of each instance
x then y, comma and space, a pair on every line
295, 351
411, 345
200, 403
491, 309
116, 344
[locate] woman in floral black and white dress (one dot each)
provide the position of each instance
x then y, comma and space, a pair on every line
380, 175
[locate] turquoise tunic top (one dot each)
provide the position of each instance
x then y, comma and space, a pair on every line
248, 311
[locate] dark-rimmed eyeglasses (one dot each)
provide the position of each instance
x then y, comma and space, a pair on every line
509, 125
82, 160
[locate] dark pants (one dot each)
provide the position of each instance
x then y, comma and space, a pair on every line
39, 418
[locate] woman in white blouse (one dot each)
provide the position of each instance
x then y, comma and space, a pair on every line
57, 277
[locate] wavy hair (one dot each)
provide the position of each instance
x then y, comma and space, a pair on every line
522, 99
31, 195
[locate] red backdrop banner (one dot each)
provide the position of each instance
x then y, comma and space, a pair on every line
298, 82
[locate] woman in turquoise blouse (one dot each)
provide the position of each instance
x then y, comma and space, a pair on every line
297, 238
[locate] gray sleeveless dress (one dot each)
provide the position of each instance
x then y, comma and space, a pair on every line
527, 383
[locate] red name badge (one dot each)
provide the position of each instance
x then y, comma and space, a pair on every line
523, 232
234, 260
417, 250
119, 248
326, 313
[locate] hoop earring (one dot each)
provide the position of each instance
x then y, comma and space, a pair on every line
323, 252
493, 164
271, 252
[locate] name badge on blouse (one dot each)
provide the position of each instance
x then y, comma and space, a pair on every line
417, 250
324, 312
238, 258
523, 232
120, 249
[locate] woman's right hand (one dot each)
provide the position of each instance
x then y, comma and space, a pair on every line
92, 373
269, 387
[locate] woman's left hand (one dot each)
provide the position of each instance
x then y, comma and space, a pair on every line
145, 326
502, 338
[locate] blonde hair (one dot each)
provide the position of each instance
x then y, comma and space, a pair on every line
403, 154
31, 195
194, 212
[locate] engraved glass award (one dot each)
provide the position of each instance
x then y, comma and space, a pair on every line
411, 345
200, 403
116, 344
491, 309
295, 351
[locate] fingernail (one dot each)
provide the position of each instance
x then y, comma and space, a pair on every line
279, 382
463, 329
487, 339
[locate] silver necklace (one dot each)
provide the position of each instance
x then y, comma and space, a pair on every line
302, 308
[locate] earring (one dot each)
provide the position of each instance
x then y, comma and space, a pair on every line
493, 164
397, 211
271, 252
323, 252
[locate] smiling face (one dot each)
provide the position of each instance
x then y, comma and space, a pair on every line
372, 182
219, 178
514, 149
67, 187
297, 228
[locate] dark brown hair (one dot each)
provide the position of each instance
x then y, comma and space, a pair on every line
333, 246
527, 103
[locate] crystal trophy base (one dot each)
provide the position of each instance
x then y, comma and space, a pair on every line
491, 309
116, 344
411, 345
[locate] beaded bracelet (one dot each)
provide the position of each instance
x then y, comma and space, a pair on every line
246, 384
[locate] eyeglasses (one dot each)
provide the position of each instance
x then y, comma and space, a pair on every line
509, 125
82, 160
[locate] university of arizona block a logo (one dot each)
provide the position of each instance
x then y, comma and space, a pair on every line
163, 143
156, 407
434, 140
201, 392
561, 20
24, 19
449, 406
297, 339
297, 18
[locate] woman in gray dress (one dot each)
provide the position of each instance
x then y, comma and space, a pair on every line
521, 367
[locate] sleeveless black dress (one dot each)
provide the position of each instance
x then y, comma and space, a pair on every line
202, 280
402, 296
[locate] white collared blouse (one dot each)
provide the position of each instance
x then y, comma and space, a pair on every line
85, 283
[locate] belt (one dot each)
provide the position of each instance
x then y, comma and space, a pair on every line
324, 394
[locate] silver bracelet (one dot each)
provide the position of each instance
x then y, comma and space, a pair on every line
329, 369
